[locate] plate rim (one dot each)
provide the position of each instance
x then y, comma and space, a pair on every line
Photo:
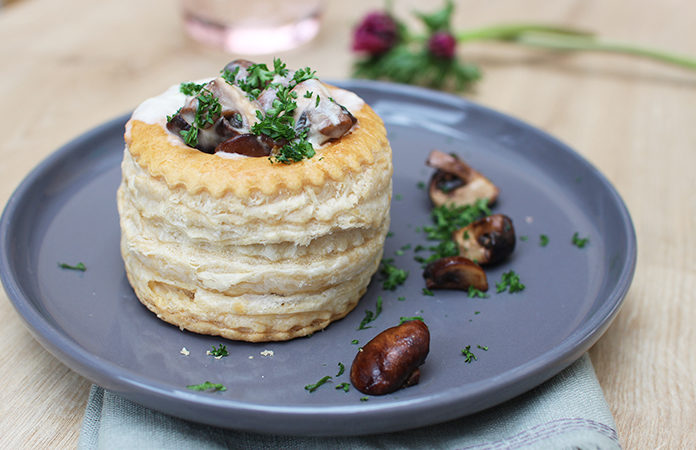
141, 390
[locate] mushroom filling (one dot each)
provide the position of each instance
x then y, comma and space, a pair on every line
255, 111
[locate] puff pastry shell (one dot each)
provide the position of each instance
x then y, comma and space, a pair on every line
250, 250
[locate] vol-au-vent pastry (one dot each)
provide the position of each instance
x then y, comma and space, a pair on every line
254, 205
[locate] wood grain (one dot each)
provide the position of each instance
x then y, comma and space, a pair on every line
70, 65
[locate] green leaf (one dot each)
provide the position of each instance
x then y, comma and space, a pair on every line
439, 20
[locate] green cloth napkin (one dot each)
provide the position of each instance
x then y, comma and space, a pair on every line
567, 412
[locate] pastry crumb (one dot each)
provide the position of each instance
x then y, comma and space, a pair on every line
267, 353
207, 352
184, 351
529, 219
251, 357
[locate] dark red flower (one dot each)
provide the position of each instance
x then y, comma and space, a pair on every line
442, 45
376, 34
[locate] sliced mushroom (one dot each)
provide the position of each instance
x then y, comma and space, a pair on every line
247, 144
488, 240
455, 272
327, 119
238, 65
456, 183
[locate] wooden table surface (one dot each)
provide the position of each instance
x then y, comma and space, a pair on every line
68, 66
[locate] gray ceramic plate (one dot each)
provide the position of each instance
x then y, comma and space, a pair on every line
65, 211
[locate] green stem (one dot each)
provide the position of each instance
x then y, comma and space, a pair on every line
559, 38
513, 31
607, 46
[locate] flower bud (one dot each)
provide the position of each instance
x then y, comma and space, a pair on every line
442, 45
377, 33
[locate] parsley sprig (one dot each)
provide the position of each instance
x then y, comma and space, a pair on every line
207, 112
190, 88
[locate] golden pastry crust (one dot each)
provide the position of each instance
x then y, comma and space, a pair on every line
247, 249
197, 171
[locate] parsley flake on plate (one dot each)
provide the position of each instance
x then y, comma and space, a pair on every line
578, 241
468, 355
207, 386
392, 276
315, 386
79, 266
510, 282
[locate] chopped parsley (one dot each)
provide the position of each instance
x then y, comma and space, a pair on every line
355, 342
207, 386
392, 276
316, 104
476, 293
220, 351
468, 355
578, 241
315, 386
364, 399
420, 185
345, 386
308, 94
401, 299
543, 240
341, 369
447, 219
370, 316
190, 88
398, 197
79, 266
428, 292
277, 122
524, 238
207, 113
510, 281
403, 248
483, 347
403, 320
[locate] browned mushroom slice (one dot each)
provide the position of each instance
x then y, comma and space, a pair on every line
344, 121
455, 272
324, 118
391, 359
247, 145
456, 183
488, 240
